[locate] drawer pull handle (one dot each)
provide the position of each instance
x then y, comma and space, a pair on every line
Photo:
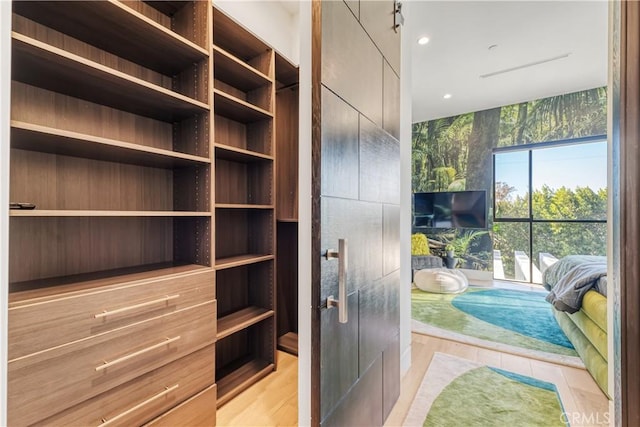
166, 391
106, 364
133, 307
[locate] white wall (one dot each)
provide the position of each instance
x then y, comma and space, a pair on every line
269, 20
304, 220
5, 100
405, 192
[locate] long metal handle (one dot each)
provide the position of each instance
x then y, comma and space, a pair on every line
166, 391
343, 264
135, 306
137, 353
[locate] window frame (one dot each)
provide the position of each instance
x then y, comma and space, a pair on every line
530, 219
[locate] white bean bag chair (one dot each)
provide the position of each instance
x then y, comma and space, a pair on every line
441, 280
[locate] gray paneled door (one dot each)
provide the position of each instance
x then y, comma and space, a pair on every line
356, 212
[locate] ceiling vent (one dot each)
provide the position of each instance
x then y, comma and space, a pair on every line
530, 64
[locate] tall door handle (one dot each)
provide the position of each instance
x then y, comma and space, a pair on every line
341, 302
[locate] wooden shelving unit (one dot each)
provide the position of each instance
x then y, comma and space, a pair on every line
287, 204
111, 140
144, 133
244, 105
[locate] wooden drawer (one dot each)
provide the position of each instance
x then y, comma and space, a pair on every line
199, 411
146, 397
43, 384
41, 323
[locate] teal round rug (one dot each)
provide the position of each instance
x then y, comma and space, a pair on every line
517, 318
523, 312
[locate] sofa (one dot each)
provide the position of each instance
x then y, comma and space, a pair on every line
578, 294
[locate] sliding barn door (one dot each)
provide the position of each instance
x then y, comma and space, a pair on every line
356, 212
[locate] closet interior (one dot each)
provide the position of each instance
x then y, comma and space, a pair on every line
146, 211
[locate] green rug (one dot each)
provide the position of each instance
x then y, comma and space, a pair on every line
519, 322
457, 392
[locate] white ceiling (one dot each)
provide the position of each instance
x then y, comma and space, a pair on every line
525, 32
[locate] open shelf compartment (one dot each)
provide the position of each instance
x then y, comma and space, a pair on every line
245, 296
56, 182
43, 65
233, 71
243, 358
235, 78
243, 235
253, 136
238, 182
47, 251
51, 122
237, 109
161, 36
242, 44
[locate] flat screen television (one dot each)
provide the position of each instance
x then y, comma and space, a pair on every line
450, 209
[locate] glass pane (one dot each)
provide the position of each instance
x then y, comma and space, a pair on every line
511, 251
570, 182
556, 240
512, 184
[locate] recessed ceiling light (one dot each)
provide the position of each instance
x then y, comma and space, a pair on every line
423, 40
447, 96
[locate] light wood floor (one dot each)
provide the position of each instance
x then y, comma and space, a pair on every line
273, 400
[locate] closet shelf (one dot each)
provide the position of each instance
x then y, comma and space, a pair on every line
239, 260
49, 67
33, 137
237, 109
240, 320
235, 72
116, 28
289, 343
242, 206
44, 289
239, 379
233, 38
286, 72
227, 152
287, 220
101, 213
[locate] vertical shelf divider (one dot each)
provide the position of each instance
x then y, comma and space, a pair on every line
245, 220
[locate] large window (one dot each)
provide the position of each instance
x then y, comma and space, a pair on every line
550, 200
